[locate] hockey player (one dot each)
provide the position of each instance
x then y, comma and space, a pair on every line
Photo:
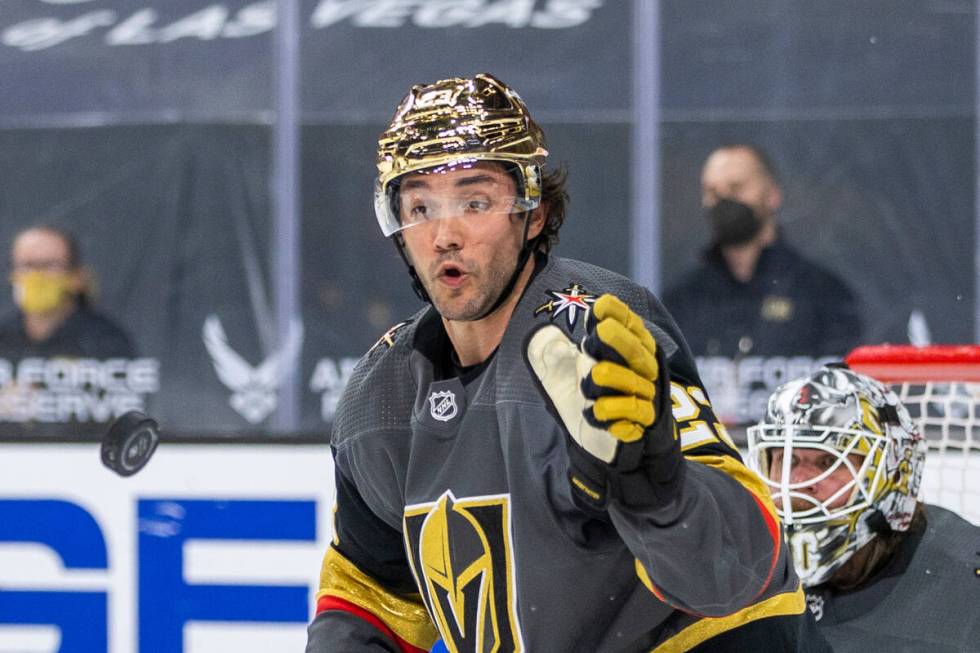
882, 571
503, 488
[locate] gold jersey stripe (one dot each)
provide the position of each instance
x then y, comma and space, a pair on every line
407, 617
644, 577
789, 603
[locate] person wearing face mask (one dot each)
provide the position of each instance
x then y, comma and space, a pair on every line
753, 294
54, 317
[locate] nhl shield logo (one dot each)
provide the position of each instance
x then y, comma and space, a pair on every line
442, 405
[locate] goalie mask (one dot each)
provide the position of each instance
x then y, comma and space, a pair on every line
452, 124
844, 462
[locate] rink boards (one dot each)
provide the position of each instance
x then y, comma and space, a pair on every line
209, 548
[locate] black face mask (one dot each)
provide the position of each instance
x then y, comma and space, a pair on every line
732, 223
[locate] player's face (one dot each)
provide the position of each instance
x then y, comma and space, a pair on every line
466, 238
735, 173
807, 464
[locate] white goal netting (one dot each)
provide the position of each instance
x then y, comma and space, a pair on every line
940, 386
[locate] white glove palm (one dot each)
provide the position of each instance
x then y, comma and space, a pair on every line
560, 366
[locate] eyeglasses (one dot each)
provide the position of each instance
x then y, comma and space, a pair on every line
40, 266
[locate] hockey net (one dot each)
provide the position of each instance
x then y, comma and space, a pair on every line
940, 386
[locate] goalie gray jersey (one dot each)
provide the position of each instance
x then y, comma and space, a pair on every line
927, 599
454, 508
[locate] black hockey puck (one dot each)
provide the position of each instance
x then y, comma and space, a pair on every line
129, 443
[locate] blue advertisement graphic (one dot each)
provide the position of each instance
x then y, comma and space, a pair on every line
166, 602
72, 533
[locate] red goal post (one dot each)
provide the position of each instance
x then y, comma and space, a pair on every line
905, 363
940, 386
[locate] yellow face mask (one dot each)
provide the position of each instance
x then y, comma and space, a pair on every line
38, 292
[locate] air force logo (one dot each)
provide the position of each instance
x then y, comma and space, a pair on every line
442, 405
254, 389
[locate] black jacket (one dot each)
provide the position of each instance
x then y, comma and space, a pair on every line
789, 307
85, 334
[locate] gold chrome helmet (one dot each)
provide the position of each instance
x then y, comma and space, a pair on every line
853, 418
456, 122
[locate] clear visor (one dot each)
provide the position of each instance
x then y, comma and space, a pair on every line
416, 198
824, 488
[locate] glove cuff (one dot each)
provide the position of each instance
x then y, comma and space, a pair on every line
656, 481
589, 479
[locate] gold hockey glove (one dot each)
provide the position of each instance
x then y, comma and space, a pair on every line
609, 396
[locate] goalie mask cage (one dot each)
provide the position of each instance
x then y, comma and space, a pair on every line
940, 386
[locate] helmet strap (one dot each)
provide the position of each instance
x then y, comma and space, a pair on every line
416, 282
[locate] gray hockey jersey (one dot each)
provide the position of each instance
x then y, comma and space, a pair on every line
455, 519
927, 599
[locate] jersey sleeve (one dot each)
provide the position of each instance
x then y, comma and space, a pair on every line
367, 599
716, 551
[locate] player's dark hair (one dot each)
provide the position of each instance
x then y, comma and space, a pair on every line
880, 550
554, 197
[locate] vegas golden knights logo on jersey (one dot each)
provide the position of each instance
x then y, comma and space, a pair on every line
462, 559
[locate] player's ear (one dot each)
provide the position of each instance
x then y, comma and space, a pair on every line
537, 218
